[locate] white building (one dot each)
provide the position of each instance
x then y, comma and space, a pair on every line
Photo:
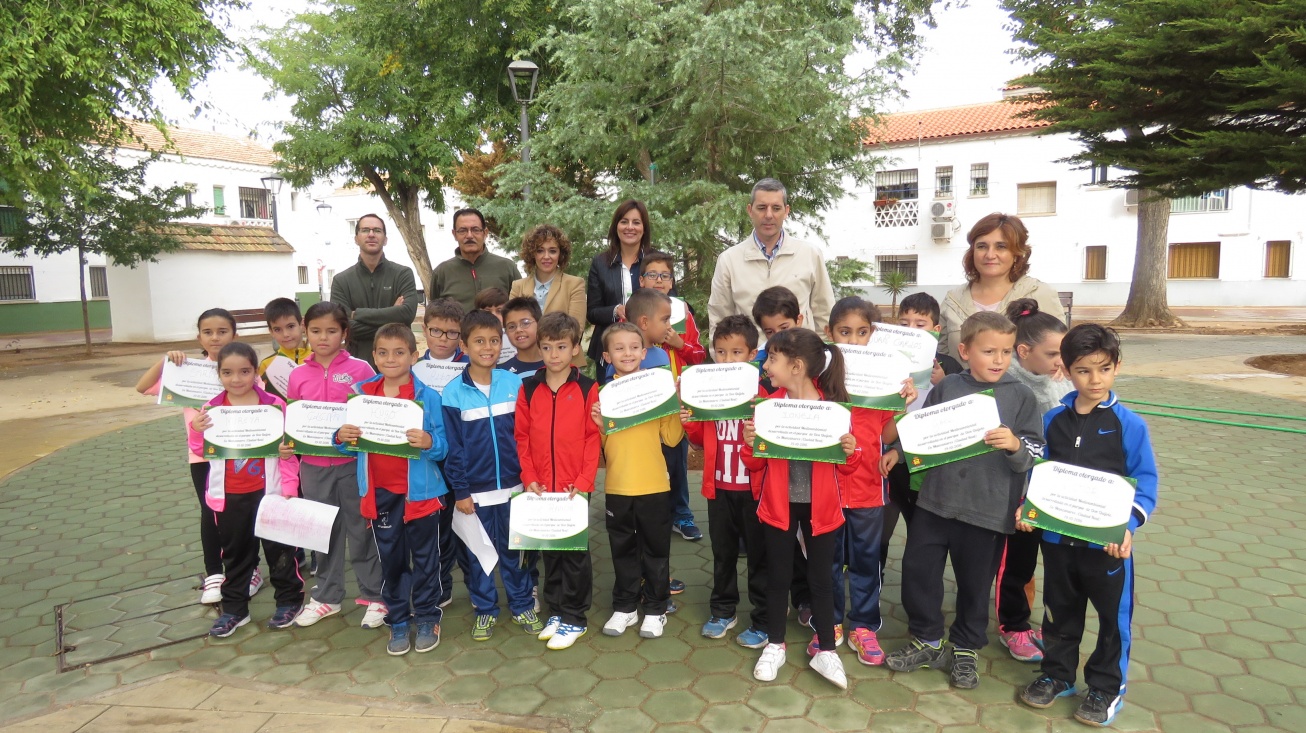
946, 168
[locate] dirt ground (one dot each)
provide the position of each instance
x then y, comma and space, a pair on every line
1294, 364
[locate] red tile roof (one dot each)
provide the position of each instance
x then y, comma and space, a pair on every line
935, 124
227, 238
198, 144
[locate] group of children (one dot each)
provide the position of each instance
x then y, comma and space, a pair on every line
815, 535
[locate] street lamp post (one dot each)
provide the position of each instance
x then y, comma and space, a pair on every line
522, 76
273, 186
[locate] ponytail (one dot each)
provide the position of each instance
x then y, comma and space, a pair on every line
1032, 324
824, 362
833, 381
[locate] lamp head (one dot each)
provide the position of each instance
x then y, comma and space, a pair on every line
522, 77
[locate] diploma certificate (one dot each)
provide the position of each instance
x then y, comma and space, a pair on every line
436, 374
552, 521
638, 398
679, 315
1088, 505
719, 391
875, 377
278, 373
918, 345
385, 422
947, 432
805, 430
192, 384
310, 426
244, 432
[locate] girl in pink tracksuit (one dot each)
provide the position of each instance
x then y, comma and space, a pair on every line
328, 376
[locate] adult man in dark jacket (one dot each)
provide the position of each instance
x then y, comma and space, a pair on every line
375, 291
472, 268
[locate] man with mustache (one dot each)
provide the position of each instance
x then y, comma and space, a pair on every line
472, 268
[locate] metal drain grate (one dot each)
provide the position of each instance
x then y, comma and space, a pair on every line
117, 625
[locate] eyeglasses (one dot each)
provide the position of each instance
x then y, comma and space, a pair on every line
521, 325
440, 333
464, 231
371, 230
657, 277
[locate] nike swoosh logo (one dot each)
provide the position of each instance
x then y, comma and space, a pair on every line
1100, 431
1113, 572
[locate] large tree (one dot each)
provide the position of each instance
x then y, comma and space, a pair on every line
70, 71
388, 93
1186, 96
110, 211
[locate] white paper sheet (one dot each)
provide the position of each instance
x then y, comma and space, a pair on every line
278, 373
469, 529
295, 522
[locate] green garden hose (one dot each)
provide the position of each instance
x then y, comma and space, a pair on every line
1220, 422
1213, 409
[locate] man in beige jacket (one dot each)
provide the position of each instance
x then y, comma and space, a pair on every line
769, 257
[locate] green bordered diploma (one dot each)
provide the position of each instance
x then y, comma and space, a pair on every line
638, 398
1088, 505
947, 432
192, 384
803, 430
919, 346
718, 391
384, 422
553, 521
311, 425
244, 432
874, 377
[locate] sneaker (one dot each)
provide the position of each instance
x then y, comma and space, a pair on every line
529, 622
550, 628
768, 666
566, 635
617, 625
653, 626
315, 611
805, 616
255, 582
211, 590
483, 629
814, 645
375, 616
1099, 707
227, 624
687, 529
399, 641
1022, 645
677, 586
672, 607
915, 655
964, 674
829, 666
752, 638
1043, 691
715, 628
428, 636
283, 617
863, 641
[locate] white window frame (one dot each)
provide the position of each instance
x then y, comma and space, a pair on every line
1026, 192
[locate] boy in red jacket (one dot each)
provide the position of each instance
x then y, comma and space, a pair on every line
559, 445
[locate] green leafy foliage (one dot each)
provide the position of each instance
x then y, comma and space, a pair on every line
895, 283
847, 275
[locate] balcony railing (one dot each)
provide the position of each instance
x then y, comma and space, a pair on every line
897, 214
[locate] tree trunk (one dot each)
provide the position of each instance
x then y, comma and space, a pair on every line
403, 204
81, 281
1147, 306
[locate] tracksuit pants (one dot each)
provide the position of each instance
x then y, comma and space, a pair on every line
901, 503
677, 458
639, 534
452, 551
1015, 571
512, 569
568, 584
820, 554
732, 517
1073, 577
235, 528
351, 538
410, 561
210, 544
856, 547
975, 552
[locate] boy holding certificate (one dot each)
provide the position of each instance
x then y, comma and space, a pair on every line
484, 471
401, 497
966, 508
1090, 428
638, 511
286, 325
559, 450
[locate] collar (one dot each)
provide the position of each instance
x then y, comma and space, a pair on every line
458, 255
1108, 403
762, 248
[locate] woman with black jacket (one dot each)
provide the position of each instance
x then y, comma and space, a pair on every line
614, 274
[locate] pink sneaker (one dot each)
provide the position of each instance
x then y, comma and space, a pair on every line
1021, 645
814, 645
863, 641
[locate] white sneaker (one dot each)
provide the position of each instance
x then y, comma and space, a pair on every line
315, 611
653, 626
768, 666
255, 582
550, 628
566, 636
375, 616
617, 625
211, 591
829, 666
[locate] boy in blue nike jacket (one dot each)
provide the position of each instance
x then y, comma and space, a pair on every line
483, 469
1090, 428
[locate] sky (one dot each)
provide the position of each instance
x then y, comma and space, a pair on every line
965, 61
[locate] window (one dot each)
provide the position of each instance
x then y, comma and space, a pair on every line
9, 220
219, 201
1095, 262
979, 179
303, 274
1198, 260
99, 281
1099, 174
906, 264
294, 200
17, 283
1213, 201
896, 185
943, 182
1035, 199
1278, 259
253, 203
352, 224
188, 198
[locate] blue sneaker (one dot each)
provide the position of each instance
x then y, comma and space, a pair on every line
715, 628
688, 530
227, 624
399, 642
428, 636
753, 638
676, 587
283, 617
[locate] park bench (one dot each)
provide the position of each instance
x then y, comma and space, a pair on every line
249, 318
1067, 301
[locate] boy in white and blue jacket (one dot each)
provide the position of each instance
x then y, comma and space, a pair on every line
402, 497
484, 472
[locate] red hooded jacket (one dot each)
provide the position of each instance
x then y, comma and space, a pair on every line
557, 441
703, 435
866, 485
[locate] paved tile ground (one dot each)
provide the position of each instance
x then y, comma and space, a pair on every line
1221, 618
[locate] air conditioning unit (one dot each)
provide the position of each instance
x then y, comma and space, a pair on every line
941, 232
1131, 198
943, 210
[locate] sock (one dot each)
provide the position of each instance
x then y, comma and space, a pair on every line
932, 644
